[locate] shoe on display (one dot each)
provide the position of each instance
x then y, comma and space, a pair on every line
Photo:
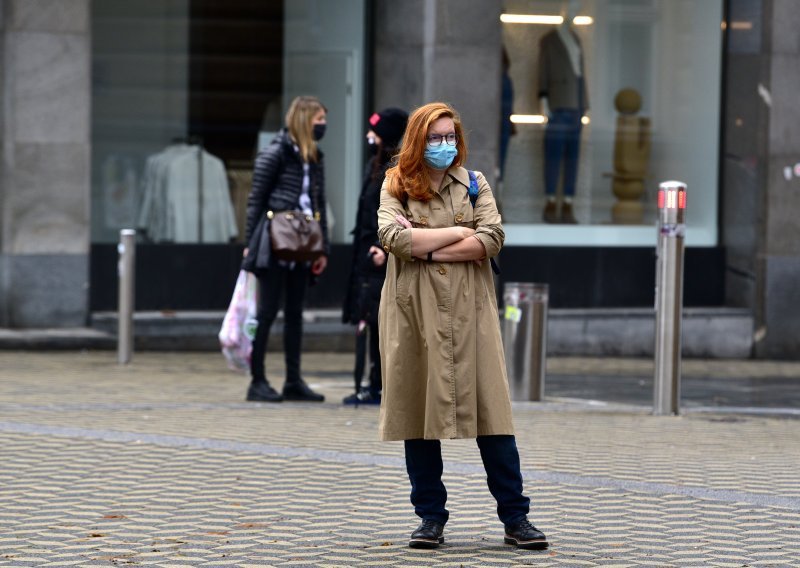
567, 216
364, 396
299, 391
262, 392
427, 535
550, 213
525, 535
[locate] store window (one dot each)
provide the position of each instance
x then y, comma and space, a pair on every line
608, 98
180, 91
185, 92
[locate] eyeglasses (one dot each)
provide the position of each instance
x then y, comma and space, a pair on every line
436, 140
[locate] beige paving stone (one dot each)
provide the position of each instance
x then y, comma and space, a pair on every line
272, 485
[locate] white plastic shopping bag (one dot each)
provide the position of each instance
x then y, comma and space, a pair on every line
239, 325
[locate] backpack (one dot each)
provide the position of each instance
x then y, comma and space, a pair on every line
473, 197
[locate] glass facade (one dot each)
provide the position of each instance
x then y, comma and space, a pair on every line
185, 92
625, 96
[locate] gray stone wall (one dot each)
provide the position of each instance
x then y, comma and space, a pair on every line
448, 50
781, 250
761, 190
45, 138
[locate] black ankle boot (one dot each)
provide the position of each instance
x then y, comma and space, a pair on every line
261, 391
427, 535
300, 391
524, 535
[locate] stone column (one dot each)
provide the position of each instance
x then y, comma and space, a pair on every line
761, 185
780, 255
45, 182
448, 50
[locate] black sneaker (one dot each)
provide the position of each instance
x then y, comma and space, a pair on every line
263, 392
427, 535
525, 535
299, 391
363, 396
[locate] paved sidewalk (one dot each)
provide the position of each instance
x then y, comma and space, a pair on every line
161, 463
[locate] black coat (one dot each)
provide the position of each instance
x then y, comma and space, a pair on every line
366, 279
277, 186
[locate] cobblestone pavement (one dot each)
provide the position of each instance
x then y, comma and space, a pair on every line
161, 463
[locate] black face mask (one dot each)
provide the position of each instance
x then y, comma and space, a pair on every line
372, 145
319, 131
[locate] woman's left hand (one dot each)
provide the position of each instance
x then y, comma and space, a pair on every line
318, 266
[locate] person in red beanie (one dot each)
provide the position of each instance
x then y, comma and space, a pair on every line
368, 269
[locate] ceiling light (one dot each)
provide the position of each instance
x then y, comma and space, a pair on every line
543, 19
528, 119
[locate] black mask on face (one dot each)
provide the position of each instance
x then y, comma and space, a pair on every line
319, 131
372, 144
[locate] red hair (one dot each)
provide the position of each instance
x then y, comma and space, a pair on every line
409, 178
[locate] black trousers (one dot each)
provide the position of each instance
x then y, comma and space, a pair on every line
503, 475
273, 284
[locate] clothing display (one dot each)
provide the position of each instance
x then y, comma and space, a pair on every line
560, 81
562, 141
119, 182
506, 109
186, 197
563, 85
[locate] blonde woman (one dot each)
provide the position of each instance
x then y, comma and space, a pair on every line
288, 175
444, 374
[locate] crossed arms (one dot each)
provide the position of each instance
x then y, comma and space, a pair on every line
448, 244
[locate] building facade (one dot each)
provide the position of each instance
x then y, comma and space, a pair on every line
148, 115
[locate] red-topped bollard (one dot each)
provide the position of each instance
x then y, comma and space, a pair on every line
669, 296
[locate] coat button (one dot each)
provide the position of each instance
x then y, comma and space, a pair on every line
442, 270
459, 217
423, 220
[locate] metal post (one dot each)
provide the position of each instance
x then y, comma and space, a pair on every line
200, 195
669, 296
525, 338
127, 272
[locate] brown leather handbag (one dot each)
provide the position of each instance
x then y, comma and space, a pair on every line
295, 236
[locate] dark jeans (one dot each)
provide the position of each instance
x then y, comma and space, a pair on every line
562, 142
368, 336
273, 283
500, 460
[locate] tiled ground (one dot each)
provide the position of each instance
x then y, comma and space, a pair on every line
161, 463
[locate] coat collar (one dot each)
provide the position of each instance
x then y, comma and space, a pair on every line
460, 175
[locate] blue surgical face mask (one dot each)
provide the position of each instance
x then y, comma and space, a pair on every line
440, 157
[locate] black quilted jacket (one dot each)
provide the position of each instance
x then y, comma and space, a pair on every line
278, 183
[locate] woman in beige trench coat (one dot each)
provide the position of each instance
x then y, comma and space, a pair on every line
443, 369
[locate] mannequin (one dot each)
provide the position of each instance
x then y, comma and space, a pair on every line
631, 158
563, 99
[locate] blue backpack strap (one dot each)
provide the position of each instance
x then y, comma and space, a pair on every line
473, 197
473, 187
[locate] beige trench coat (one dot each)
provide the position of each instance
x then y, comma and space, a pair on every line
444, 374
